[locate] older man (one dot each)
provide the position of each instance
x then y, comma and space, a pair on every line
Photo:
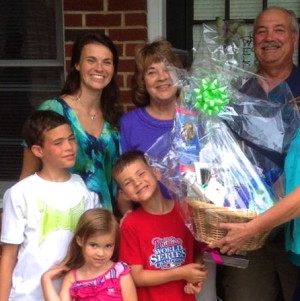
270, 276
276, 33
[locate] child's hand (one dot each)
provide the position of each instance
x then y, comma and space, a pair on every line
193, 288
55, 272
194, 272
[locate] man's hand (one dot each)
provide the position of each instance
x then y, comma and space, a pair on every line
238, 234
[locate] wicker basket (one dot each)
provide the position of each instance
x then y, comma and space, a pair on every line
206, 215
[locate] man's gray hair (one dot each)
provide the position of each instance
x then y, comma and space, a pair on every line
294, 20
291, 13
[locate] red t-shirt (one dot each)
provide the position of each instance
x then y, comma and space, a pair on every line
157, 242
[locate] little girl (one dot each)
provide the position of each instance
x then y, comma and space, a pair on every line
91, 273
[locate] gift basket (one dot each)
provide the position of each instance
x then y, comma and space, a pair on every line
220, 160
224, 187
206, 216
210, 176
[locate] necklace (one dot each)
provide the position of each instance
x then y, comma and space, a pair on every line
92, 116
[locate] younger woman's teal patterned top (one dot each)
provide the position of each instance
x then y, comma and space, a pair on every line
95, 156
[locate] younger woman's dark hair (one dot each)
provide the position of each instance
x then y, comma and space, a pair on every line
38, 123
110, 107
97, 221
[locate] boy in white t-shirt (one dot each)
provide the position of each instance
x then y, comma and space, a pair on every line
41, 211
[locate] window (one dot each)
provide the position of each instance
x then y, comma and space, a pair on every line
156, 19
179, 17
206, 11
184, 20
31, 70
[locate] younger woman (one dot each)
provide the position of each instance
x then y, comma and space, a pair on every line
89, 101
92, 275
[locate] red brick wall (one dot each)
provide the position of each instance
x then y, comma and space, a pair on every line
124, 21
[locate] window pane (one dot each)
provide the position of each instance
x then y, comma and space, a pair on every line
289, 4
209, 9
244, 9
22, 89
245, 56
239, 9
31, 70
28, 30
247, 59
197, 31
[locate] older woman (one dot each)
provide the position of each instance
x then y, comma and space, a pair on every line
154, 94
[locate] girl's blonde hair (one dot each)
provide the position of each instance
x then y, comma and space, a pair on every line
97, 221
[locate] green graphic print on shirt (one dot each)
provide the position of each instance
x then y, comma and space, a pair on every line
53, 219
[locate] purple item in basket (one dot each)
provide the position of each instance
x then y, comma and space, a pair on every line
241, 197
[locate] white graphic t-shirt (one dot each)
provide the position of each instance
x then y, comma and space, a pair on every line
41, 216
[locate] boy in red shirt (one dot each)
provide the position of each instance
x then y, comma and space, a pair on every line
154, 239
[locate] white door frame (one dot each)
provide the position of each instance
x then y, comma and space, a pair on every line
156, 19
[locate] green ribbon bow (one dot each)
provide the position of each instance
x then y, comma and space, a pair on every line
210, 97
